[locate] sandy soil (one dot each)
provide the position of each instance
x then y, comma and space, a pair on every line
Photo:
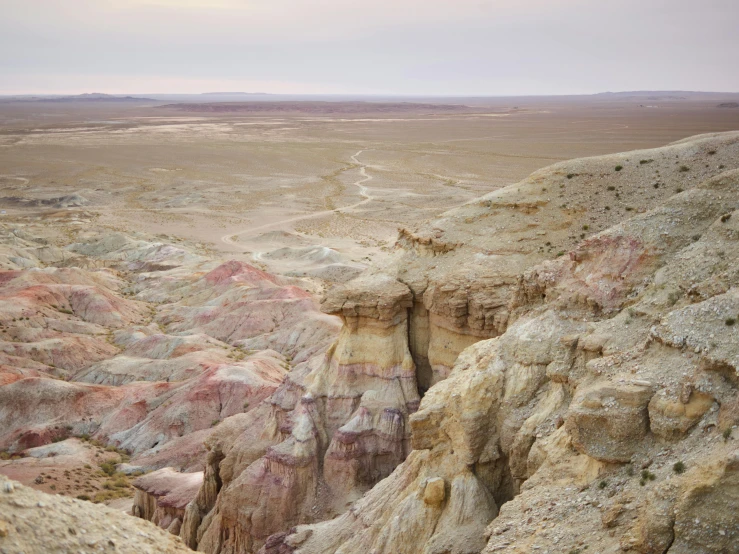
247, 184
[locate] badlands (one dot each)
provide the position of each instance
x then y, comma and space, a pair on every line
469, 327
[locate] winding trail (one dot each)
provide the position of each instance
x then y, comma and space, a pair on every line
230, 238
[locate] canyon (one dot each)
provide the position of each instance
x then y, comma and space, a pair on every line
548, 367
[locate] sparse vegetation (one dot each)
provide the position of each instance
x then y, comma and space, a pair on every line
108, 468
611, 187
642, 162
215, 422
585, 227
725, 218
602, 485
619, 167
684, 168
730, 321
678, 467
726, 434
679, 190
570, 175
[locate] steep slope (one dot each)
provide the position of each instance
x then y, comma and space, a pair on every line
602, 419
139, 345
38, 523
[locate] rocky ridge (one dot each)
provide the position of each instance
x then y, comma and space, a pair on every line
542, 369
602, 415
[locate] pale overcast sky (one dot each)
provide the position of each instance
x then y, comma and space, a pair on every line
421, 47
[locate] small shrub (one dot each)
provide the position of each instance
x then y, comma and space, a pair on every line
246, 405
726, 434
215, 422
602, 485
647, 475
570, 175
656, 185
608, 208
585, 227
83, 497
642, 162
725, 218
560, 253
679, 190
107, 468
678, 468
629, 209
684, 168
721, 166
696, 238
611, 187
730, 321
630, 471
711, 152
619, 167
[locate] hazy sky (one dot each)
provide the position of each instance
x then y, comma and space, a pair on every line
435, 47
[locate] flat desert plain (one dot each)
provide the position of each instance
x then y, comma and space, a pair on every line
305, 188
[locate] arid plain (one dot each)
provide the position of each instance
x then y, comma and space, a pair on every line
279, 184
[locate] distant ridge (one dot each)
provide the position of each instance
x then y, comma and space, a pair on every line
235, 94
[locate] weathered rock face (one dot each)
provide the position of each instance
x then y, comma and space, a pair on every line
144, 346
336, 426
609, 422
569, 377
162, 496
616, 369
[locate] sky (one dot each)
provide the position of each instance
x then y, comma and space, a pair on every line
388, 47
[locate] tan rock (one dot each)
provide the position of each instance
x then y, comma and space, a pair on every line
609, 421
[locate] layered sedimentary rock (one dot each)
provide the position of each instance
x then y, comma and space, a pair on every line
335, 427
141, 345
604, 415
162, 496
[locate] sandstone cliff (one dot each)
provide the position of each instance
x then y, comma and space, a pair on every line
603, 414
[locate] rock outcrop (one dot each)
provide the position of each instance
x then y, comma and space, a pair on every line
552, 367
598, 418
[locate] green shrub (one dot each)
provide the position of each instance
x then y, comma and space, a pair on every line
679, 467
642, 162
730, 321
602, 485
619, 167
107, 468
684, 168
570, 175
611, 188
726, 434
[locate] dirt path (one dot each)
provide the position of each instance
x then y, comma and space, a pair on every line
231, 238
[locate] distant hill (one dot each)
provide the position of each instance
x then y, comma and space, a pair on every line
235, 94
318, 107
97, 97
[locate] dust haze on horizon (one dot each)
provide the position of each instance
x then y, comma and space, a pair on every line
405, 47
